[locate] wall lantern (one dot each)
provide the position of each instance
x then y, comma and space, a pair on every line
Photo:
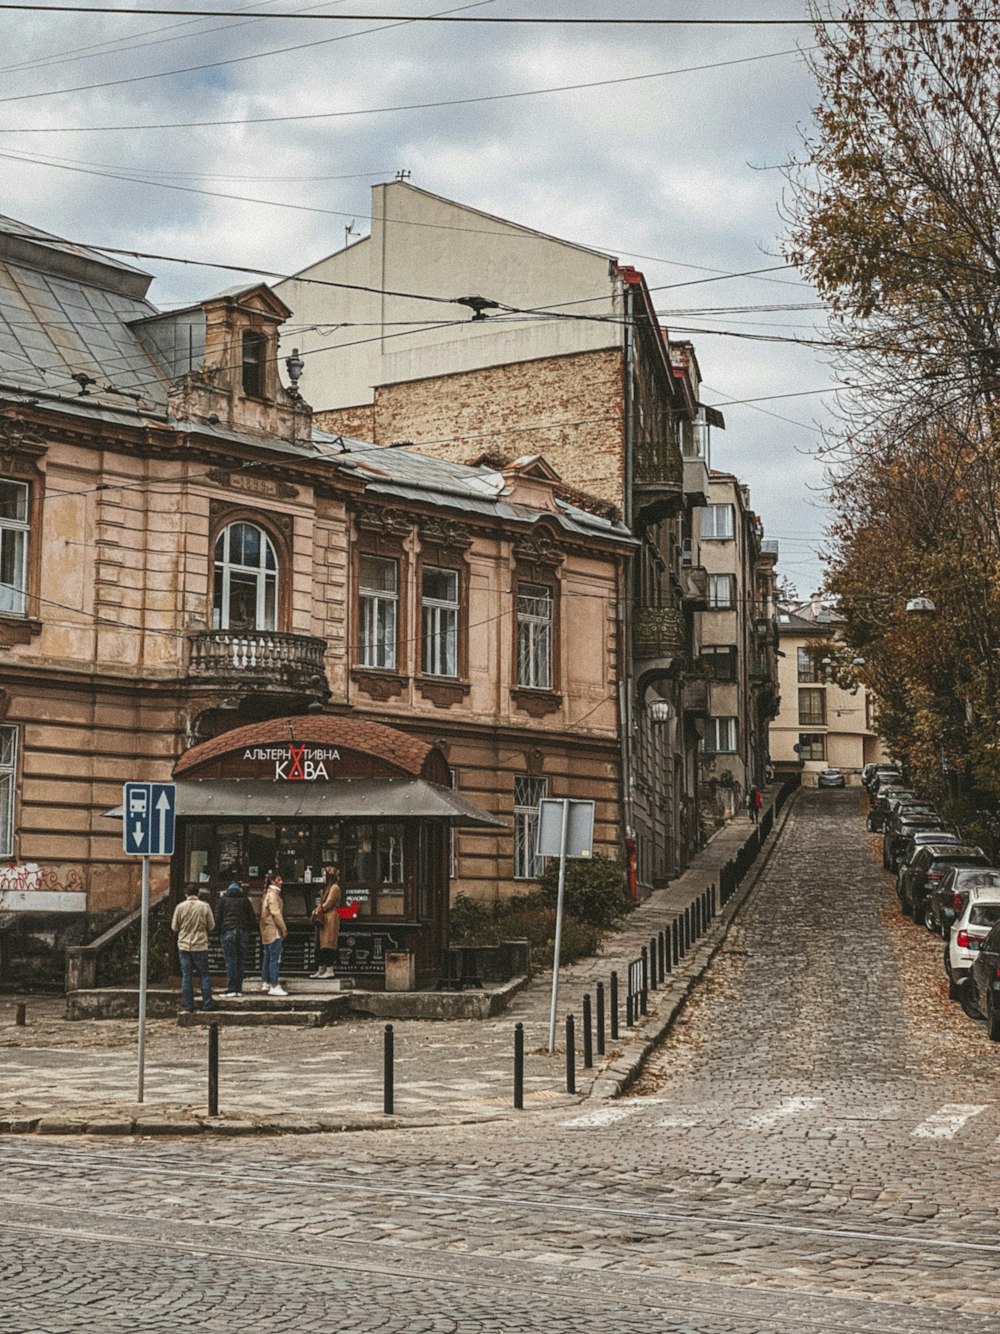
660, 711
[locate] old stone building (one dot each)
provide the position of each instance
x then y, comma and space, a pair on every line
188, 562
494, 340
738, 645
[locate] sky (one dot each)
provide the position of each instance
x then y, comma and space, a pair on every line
678, 174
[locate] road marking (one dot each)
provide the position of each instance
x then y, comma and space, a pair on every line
678, 1122
790, 1107
948, 1120
604, 1116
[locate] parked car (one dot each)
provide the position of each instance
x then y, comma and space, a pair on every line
950, 895
982, 987
884, 778
927, 869
968, 931
885, 803
831, 778
904, 823
920, 839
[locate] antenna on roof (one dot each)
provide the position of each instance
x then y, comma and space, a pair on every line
402, 175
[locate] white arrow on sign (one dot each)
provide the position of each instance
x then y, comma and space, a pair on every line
137, 832
163, 805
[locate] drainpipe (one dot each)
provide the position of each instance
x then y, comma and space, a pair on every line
626, 667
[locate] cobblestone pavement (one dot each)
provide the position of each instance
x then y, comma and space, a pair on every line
813, 1148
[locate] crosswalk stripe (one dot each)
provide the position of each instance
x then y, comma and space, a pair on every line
790, 1107
604, 1116
948, 1120
678, 1122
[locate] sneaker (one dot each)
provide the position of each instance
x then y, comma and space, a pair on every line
227, 995
278, 991
265, 986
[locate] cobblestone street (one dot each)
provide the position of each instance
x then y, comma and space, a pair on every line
814, 1146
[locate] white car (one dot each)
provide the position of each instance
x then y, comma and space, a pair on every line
968, 931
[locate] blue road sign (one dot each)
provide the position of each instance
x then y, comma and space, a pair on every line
149, 819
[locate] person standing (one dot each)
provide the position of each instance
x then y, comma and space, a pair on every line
272, 932
753, 804
236, 922
327, 921
192, 920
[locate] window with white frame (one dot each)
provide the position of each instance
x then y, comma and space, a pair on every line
439, 606
14, 529
378, 611
8, 770
721, 592
245, 595
534, 636
720, 736
719, 661
812, 707
806, 666
528, 792
717, 522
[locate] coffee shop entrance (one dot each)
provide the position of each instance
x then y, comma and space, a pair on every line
297, 794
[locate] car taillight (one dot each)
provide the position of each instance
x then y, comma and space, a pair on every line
962, 940
934, 875
956, 903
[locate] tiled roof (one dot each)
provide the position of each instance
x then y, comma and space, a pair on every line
405, 753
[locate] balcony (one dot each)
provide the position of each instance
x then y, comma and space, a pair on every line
696, 697
659, 643
260, 662
694, 587
695, 482
657, 480
759, 669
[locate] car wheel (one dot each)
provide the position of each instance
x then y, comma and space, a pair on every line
929, 919
993, 1024
916, 912
954, 989
967, 997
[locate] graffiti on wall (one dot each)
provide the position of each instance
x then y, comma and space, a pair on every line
24, 876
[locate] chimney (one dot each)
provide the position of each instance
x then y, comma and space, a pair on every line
817, 605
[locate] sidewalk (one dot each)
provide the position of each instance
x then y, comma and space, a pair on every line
61, 1076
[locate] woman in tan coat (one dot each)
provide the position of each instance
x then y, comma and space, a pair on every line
327, 920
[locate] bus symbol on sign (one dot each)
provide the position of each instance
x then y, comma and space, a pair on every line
148, 810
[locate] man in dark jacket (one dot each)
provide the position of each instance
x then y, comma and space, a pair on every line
237, 926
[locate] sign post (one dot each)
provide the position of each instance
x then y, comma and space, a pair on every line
565, 829
148, 831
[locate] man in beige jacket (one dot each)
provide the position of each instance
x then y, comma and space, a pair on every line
192, 920
272, 933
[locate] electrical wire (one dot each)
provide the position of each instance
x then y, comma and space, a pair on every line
510, 19
382, 26
391, 110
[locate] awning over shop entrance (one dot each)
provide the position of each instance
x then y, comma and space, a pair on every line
348, 799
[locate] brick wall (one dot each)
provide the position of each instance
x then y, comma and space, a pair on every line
567, 408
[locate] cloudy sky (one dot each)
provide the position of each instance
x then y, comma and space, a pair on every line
676, 173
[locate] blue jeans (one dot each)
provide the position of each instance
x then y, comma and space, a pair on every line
270, 964
190, 960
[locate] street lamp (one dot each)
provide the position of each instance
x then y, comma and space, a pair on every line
921, 605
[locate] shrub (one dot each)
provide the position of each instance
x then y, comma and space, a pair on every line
526, 917
595, 890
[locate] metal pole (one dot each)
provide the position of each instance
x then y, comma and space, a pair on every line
559, 920
143, 976
213, 1069
588, 1034
387, 1083
600, 1018
519, 1066
570, 1055
614, 1007
653, 977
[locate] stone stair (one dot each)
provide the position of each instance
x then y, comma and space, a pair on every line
302, 1011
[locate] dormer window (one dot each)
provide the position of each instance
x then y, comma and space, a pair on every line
254, 362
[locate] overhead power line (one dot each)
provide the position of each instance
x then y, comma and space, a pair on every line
510, 20
383, 111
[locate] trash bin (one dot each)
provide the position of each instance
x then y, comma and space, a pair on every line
400, 971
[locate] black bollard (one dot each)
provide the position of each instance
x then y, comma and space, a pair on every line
588, 1034
668, 951
213, 1069
519, 1067
643, 1003
653, 972
614, 1007
629, 1008
570, 1054
387, 1072
675, 942
20, 1014
600, 1018
662, 955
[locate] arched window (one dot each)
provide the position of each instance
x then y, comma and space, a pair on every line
245, 595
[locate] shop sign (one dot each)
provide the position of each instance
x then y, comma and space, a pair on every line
295, 764
364, 953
